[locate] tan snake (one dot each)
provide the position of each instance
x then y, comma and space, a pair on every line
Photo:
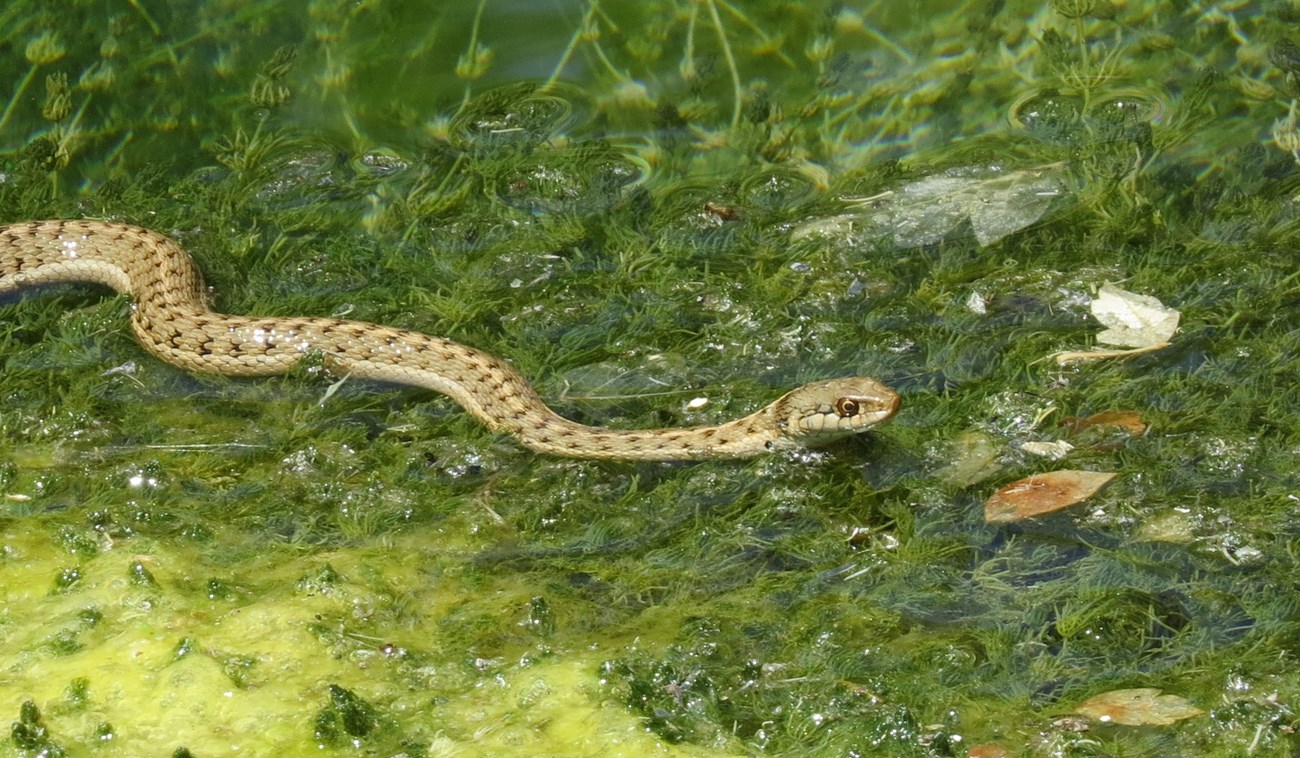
172, 319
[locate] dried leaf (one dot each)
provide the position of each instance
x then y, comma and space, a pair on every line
1174, 526
1144, 706
1077, 356
1127, 421
1139, 323
1043, 493
1132, 320
974, 459
994, 202
1053, 450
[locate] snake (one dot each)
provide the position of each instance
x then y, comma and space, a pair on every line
171, 318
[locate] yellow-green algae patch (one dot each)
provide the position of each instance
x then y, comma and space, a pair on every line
91, 643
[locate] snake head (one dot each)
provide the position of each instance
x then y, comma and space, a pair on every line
820, 412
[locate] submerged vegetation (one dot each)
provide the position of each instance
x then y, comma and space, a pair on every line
664, 213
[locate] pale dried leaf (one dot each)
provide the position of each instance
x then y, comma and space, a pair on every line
1078, 356
994, 201
1144, 706
1174, 527
1052, 450
1043, 493
1132, 320
974, 459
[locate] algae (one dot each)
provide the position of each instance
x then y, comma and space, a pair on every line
661, 212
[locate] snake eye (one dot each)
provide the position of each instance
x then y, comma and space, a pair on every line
846, 407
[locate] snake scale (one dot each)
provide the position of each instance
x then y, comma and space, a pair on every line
172, 319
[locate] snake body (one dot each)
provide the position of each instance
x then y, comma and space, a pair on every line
172, 319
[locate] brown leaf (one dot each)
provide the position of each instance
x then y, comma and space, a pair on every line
1042, 493
1126, 421
1144, 706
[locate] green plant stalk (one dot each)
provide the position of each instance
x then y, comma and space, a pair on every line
570, 48
731, 64
22, 89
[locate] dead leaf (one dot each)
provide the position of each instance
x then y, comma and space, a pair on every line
1144, 706
1138, 323
1127, 421
1042, 493
1067, 357
974, 459
1132, 320
1175, 527
989, 201
1053, 450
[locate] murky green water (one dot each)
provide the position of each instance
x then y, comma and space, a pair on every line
665, 214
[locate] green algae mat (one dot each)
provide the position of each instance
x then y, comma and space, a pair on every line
1067, 232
